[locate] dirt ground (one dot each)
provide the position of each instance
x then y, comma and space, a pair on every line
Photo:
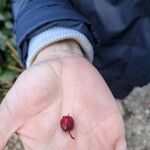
136, 118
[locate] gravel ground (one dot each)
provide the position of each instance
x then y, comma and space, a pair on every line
136, 117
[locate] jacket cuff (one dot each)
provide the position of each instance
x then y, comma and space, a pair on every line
56, 34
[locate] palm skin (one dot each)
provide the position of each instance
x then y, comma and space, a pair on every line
57, 87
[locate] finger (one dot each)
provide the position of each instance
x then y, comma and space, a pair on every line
9, 117
7, 125
121, 144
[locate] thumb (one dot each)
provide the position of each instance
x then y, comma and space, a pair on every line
8, 126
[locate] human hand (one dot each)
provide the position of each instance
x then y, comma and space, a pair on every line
56, 86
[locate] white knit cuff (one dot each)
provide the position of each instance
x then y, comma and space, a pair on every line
56, 34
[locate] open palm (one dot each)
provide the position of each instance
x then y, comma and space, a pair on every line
54, 88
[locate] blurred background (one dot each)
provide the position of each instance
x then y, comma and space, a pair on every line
10, 66
135, 108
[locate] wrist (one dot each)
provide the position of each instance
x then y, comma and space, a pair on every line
59, 50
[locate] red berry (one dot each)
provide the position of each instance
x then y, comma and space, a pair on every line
67, 124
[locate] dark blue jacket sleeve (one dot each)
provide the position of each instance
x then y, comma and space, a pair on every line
34, 16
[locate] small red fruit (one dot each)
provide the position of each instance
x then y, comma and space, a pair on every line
67, 124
